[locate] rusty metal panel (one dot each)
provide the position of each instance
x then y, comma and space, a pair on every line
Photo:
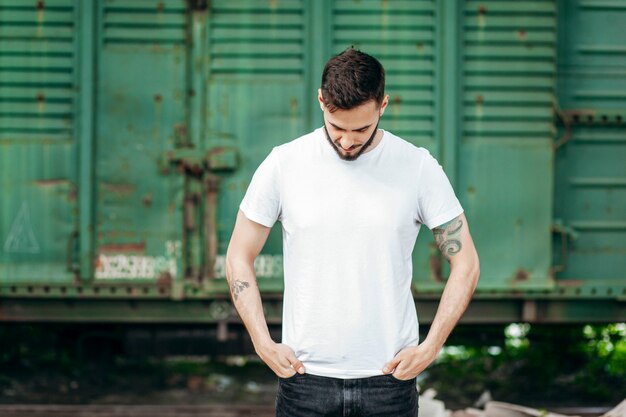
257, 98
505, 160
38, 210
590, 172
141, 110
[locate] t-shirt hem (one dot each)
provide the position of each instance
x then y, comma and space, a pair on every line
256, 217
342, 373
442, 218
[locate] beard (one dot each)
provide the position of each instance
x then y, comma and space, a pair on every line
351, 157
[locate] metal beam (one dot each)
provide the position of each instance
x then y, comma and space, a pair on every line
480, 311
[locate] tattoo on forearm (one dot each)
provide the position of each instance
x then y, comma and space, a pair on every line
238, 287
448, 237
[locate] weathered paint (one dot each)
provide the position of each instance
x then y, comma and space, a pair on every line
199, 99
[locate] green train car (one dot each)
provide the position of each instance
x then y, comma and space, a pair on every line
130, 129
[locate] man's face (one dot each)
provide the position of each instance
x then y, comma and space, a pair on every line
351, 132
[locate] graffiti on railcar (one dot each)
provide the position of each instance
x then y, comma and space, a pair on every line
139, 266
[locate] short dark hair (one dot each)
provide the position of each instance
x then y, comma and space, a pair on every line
352, 78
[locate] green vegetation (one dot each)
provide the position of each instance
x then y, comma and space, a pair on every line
536, 365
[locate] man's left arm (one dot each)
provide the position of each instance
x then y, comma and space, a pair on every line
455, 242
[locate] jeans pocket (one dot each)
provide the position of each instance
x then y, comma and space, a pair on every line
402, 381
289, 377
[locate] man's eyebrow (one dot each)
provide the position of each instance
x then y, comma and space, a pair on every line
341, 128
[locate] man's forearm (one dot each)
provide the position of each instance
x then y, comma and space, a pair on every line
247, 300
454, 300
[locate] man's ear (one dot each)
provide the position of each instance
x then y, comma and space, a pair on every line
320, 98
383, 105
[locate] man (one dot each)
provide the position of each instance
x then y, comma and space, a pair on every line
351, 199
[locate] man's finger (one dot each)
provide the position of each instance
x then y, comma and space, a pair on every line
390, 366
296, 364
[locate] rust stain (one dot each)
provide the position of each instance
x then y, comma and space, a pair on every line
123, 248
420, 47
294, 105
147, 200
51, 182
164, 280
40, 16
521, 275
118, 188
160, 7
117, 234
571, 283
521, 34
482, 11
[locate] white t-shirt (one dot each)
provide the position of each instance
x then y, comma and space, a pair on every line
349, 228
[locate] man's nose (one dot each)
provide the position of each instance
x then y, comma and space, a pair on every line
346, 142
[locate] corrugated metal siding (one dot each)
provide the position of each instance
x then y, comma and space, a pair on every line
141, 103
141, 21
37, 59
508, 80
590, 171
249, 38
37, 143
401, 34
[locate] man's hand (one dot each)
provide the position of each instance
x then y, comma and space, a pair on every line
411, 361
281, 359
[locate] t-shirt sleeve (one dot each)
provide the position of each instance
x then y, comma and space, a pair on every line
262, 203
437, 202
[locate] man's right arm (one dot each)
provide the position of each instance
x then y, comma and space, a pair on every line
245, 245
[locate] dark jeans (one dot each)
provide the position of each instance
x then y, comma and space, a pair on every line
313, 395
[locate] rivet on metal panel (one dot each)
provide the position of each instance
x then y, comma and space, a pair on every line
157, 98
